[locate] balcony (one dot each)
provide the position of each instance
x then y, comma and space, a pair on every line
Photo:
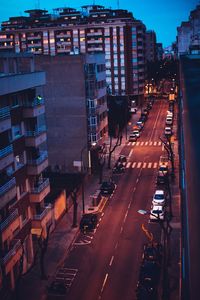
12, 256
10, 224
6, 156
36, 166
34, 108
7, 191
5, 121
36, 137
38, 193
40, 220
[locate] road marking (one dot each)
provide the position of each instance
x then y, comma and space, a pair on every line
150, 143
116, 245
155, 143
121, 229
155, 165
129, 205
139, 165
149, 165
146, 143
134, 189
111, 261
142, 143
104, 282
133, 165
129, 143
125, 217
144, 165
159, 143
128, 164
133, 144
130, 153
137, 144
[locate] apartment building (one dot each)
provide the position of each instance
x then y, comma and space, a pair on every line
76, 108
159, 51
93, 29
188, 34
23, 158
150, 46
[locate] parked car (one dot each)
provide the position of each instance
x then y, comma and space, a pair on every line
119, 168
122, 159
132, 137
152, 252
157, 213
88, 222
160, 180
107, 187
168, 131
163, 160
140, 124
136, 132
163, 170
169, 121
159, 198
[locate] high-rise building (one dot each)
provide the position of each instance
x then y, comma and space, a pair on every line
188, 34
159, 51
23, 158
76, 108
93, 29
150, 46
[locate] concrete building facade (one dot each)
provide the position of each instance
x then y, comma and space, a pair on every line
150, 45
23, 158
76, 108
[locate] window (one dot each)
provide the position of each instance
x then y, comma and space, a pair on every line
16, 131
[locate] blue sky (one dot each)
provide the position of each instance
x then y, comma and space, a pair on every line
163, 16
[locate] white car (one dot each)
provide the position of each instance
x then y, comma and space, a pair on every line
169, 121
159, 198
169, 114
168, 131
136, 132
163, 160
163, 170
157, 213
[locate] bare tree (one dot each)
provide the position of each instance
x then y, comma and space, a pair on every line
75, 205
112, 149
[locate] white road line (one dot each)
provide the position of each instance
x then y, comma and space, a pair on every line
142, 143
102, 214
128, 165
155, 143
139, 165
137, 144
150, 143
159, 143
129, 143
104, 282
134, 189
129, 205
149, 165
116, 245
111, 261
146, 143
130, 153
121, 229
133, 165
100, 220
133, 144
144, 165
155, 165
125, 217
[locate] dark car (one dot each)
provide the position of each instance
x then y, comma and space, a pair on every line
122, 159
118, 168
152, 252
132, 137
107, 187
145, 290
88, 222
150, 270
161, 179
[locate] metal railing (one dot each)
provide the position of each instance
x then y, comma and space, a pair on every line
36, 132
12, 251
7, 186
39, 188
43, 156
5, 151
4, 112
9, 219
39, 217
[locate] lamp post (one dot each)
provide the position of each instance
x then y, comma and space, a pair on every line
166, 234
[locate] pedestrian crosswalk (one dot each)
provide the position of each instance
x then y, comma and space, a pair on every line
144, 143
143, 165
66, 276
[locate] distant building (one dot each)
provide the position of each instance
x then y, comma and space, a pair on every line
150, 46
93, 29
159, 51
188, 34
23, 158
76, 108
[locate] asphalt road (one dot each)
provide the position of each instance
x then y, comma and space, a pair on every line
105, 264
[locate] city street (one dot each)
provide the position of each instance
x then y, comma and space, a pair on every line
105, 264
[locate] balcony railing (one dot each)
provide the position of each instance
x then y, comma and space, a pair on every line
4, 112
36, 132
40, 187
37, 101
7, 186
5, 151
9, 220
39, 217
43, 156
12, 251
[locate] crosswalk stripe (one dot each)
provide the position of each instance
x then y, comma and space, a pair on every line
133, 165
149, 165
129, 143
155, 143
128, 164
137, 144
144, 165
133, 143
150, 143
139, 165
159, 143
155, 165
146, 143
142, 143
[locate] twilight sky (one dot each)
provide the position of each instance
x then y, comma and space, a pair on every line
162, 16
